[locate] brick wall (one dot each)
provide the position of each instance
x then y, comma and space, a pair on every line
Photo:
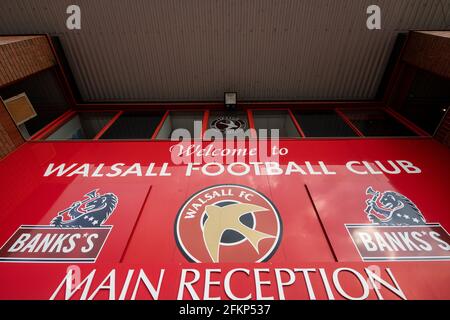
23, 56
20, 57
430, 51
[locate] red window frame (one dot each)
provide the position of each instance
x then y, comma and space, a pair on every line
42, 134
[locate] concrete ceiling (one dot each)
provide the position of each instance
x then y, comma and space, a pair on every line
168, 50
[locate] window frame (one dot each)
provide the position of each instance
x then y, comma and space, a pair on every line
49, 129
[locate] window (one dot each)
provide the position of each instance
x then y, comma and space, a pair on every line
188, 120
162, 125
134, 125
377, 123
323, 123
84, 125
273, 119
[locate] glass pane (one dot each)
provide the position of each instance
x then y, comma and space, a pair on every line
134, 125
272, 119
323, 123
191, 121
228, 123
377, 123
84, 125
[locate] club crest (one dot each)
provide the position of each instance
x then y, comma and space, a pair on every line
228, 223
228, 123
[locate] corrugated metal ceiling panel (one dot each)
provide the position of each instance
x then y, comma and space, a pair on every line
170, 50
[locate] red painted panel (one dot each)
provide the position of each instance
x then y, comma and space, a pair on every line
300, 227
143, 233
343, 199
36, 209
47, 281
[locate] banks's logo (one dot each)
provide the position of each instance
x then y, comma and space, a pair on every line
91, 212
228, 223
228, 123
76, 234
398, 231
392, 209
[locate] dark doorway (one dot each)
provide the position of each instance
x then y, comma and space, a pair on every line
427, 101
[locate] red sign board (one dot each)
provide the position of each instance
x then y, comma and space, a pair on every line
49, 244
328, 219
